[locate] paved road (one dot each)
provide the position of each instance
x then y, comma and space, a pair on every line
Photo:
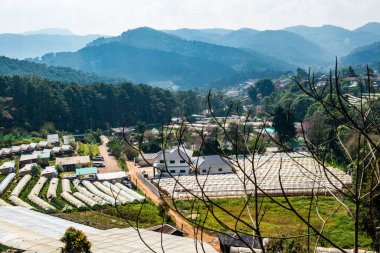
180, 222
109, 161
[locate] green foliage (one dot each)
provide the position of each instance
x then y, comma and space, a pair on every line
36, 171
300, 106
75, 241
265, 87
289, 245
283, 124
47, 128
252, 93
88, 149
121, 149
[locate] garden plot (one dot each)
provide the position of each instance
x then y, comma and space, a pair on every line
118, 192
52, 190
88, 194
17, 190
5, 183
130, 192
66, 195
115, 195
33, 195
100, 194
299, 176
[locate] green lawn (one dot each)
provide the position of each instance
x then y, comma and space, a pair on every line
279, 222
88, 149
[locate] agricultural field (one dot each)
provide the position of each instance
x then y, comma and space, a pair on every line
70, 206
280, 222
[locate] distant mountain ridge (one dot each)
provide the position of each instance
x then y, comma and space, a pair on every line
23, 46
337, 40
148, 55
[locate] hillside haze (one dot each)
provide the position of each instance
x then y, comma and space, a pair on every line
36, 43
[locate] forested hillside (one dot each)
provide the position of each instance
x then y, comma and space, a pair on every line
31, 102
11, 67
369, 54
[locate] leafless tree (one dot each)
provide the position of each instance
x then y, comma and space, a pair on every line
244, 154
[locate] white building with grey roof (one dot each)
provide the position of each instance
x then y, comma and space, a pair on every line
173, 162
213, 164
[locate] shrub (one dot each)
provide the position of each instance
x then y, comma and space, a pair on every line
75, 241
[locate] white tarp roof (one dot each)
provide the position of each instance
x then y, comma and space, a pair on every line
112, 175
30, 230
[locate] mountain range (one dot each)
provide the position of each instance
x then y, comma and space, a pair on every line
195, 57
148, 55
36, 43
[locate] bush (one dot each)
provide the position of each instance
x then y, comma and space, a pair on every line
75, 241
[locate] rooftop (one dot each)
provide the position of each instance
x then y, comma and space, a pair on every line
86, 171
38, 232
112, 175
73, 160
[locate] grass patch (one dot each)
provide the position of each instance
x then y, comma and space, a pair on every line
88, 149
122, 164
277, 221
108, 217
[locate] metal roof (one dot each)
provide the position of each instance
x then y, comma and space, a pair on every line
37, 232
86, 171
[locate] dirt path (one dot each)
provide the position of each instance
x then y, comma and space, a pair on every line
109, 161
181, 223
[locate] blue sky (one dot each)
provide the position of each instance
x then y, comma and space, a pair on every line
114, 16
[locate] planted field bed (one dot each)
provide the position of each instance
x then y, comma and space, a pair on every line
277, 221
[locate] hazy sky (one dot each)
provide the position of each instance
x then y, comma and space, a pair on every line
114, 16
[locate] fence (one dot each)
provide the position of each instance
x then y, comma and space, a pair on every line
148, 184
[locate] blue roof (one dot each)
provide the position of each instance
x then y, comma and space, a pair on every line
86, 171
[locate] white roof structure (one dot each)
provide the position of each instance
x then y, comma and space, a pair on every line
111, 176
49, 170
24, 147
56, 150
66, 148
6, 151
46, 150
53, 138
33, 145
38, 232
300, 175
173, 154
16, 149
28, 157
72, 160
27, 167
8, 165
68, 139
42, 144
